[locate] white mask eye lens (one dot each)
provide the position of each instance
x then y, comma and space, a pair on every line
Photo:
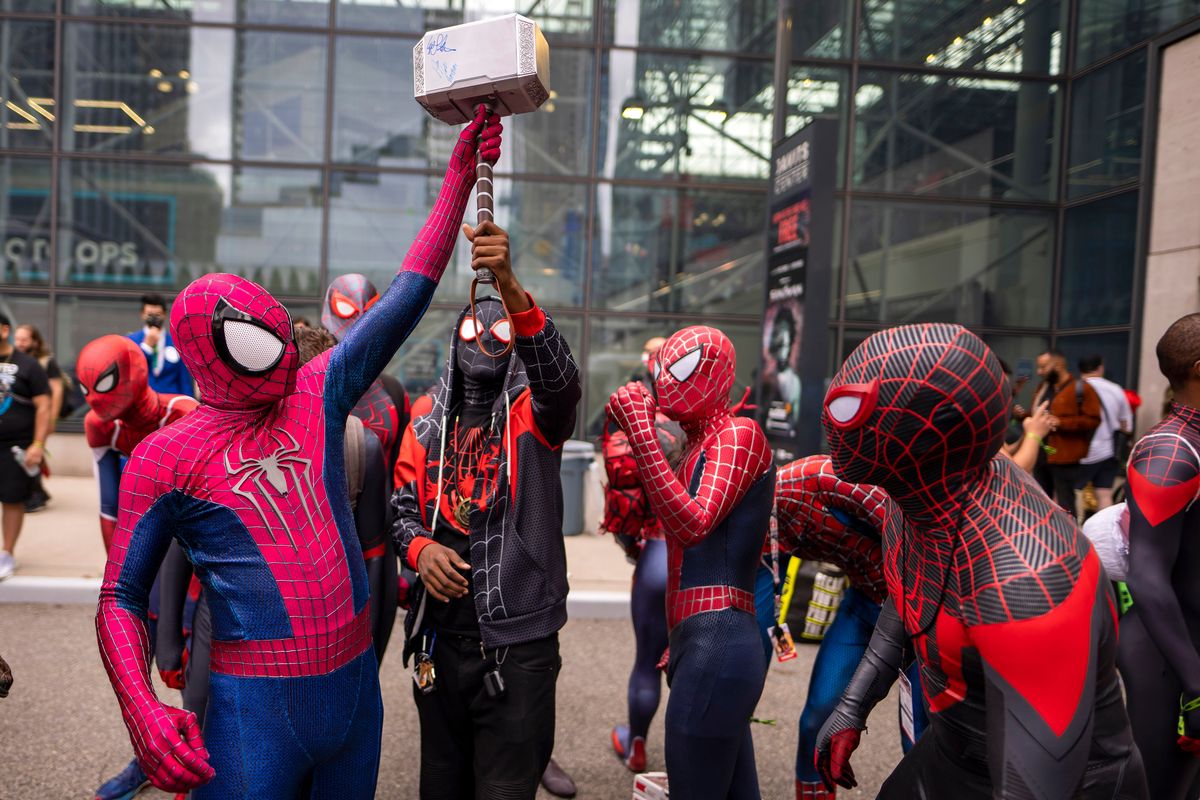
469, 329
843, 409
344, 309
106, 382
83, 389
654, 370
682, 369
254, 349
502, 330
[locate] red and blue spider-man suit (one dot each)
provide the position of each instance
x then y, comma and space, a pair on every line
715, 513
252, 484
113, 377
1008, 609
824, 518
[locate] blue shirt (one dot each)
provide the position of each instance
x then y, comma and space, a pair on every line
168, 375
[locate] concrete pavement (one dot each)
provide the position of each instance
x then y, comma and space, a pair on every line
61, 733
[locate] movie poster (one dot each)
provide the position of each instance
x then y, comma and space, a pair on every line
796, 318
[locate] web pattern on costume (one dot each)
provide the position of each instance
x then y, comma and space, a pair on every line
1164, 468
979, 549
287, 588
696, 367
807, 493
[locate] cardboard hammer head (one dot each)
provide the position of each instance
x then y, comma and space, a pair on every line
505, 60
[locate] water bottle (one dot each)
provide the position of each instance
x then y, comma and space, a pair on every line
19, 455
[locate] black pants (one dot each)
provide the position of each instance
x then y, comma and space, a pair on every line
475, 747
195, 686
1063, 477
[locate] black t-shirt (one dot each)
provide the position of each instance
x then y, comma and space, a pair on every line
51, 367
21, 379
458, 616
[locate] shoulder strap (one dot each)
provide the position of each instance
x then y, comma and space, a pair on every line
356, 458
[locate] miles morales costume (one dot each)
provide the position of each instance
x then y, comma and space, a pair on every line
479, 474
715, 511
1008, 609
253, 486
823, 518
1160, 658
113, 376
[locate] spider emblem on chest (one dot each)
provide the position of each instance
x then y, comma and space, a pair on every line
275, 472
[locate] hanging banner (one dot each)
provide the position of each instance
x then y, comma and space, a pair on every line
800, 233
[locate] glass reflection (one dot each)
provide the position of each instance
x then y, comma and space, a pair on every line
743, 27
277, 12
972, 265
560, 20
673, 116
25, 219
195, 92
1112, 347
678, 250
1016, 36
377, 122
26, 84
1106, 26
962, 137
375, 218
1098, 262
1106, 127
132, 224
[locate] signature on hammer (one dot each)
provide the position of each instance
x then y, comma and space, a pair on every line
447, 71
437, 44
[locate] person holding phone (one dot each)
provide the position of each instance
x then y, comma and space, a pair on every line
168, 375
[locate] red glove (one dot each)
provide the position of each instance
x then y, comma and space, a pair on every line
171, 751
482, 137
632, 407
836, 742
174, 678
664, 661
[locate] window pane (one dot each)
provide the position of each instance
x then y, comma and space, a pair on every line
964, 34
560, 20
133, 224
82, 319
678, 250
25, 218
375, 218
673, 116
196, 92
27, 84
930, 263
615, 350
24, 309
276, 12
960, 137
1106, 26
1106, 127
1112, 347
1098, 262
377, 122
745, 27
818, 92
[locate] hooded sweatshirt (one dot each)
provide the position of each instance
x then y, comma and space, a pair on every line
518, 562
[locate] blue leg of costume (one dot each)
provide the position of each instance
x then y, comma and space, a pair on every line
312, 737
841, 650
648, 606
764, 602
717, 675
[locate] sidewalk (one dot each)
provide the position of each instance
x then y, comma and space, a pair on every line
60, 557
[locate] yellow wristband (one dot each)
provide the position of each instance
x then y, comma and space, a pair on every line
1033, 436
36, 443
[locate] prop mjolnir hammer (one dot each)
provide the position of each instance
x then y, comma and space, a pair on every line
503, 63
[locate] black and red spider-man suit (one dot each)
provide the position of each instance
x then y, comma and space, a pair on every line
1159, 658
1008, 609
715, 512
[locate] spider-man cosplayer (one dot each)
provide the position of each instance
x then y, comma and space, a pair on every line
479, 516
1008, 609
253, 486
630, 519
715, 512
384, 408
113, 376
1160, 656
823, 518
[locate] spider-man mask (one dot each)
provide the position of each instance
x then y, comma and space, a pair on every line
112, 375
914, 407
495, 332
693, 373
236, 340
347, 299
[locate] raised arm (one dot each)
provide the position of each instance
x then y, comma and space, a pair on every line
1164, 478
734, 458
166, 740
871, 682
359, 359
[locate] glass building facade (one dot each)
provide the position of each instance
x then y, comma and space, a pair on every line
990, 163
